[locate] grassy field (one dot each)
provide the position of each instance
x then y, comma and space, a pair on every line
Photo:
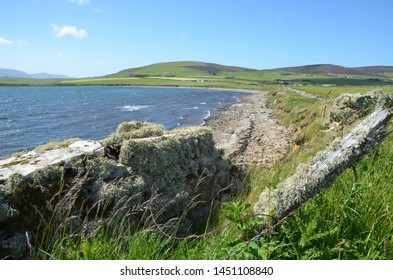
351, 220
28, 82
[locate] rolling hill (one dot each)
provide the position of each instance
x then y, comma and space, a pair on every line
336, 69
194, 68
319, 69
12, 73
376, 70
180, 68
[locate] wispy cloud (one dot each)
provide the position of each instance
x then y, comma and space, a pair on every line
68, 30
97, 11
80, 2
4, 41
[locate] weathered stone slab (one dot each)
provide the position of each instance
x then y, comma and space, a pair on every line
32, 161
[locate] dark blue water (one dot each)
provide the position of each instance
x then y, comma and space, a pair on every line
31, 116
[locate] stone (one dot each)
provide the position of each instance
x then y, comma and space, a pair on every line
27, 164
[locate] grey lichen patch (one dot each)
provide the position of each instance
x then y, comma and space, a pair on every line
130, 130
6, 211
350, 107
55, 145
100, 172
178, 167
134, 129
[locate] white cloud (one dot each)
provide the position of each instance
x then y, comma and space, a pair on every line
184, 37
4, 41
97, 11
80, 2
68, 30
99, 62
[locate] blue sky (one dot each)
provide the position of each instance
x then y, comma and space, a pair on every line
83, 38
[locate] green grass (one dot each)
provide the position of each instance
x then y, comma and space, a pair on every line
208, 82
351, 220
337, 90
28, 82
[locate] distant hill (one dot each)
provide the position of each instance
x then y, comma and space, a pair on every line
181, 68
12, 73
195, 68
48, 76
336, 69
375, 70
320, 69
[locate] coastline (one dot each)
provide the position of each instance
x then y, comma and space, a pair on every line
248, 132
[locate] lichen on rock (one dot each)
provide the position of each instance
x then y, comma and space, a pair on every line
349, 107
130, 130
146, 175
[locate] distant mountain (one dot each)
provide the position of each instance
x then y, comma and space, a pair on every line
12, 73
48, 76
183, 68
336, 69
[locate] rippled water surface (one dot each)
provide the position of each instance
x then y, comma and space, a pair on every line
31, 116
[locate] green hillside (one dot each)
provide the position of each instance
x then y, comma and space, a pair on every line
202, 74
181, 68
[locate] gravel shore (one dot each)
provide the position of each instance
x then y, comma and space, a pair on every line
248, 132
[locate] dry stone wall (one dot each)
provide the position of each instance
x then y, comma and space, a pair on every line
144, 176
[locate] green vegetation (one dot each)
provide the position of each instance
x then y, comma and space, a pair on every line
329, 92
28, 82
351, 220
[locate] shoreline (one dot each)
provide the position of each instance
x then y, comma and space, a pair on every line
249, 133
